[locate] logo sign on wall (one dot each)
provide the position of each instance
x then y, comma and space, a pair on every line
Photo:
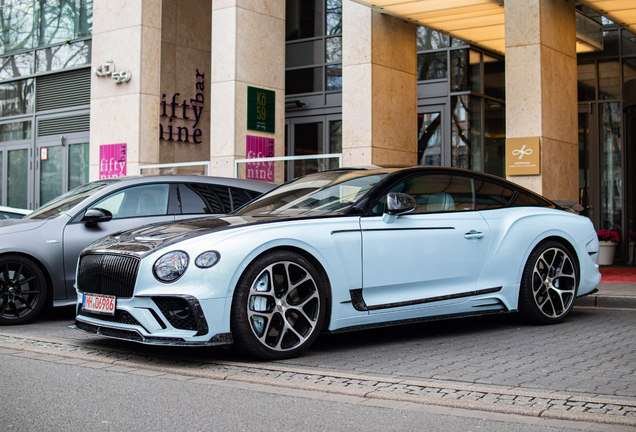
112, 160
259, 147
261, 105
523, 156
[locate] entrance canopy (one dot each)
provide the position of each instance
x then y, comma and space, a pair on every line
482, 23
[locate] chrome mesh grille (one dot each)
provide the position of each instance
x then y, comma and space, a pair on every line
108, 274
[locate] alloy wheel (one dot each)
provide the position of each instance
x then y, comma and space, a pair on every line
554, 283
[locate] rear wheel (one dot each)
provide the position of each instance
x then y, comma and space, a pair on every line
278, 307
22, 290
549, 284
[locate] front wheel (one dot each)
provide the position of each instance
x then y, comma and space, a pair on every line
278, 307
22, 290
549, 283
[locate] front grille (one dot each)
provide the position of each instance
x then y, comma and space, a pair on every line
108, 274
178, 312
110, 332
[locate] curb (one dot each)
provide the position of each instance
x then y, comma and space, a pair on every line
605, 301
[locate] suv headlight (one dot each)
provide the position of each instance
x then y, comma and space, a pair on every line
171, 266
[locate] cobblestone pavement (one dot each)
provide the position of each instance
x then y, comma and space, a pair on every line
583, 367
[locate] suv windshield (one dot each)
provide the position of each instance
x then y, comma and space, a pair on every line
324, 193
65, 202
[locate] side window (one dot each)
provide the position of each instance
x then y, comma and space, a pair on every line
197, 198
138, 201
491, 196
435, 193
241, 196
526, 199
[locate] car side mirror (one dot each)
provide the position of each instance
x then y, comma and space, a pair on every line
95, 215
397, 204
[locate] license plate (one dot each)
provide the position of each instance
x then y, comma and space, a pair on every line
99, 303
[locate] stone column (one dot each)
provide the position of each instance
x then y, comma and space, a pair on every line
248, 49
127, 32
541, 92
379, 98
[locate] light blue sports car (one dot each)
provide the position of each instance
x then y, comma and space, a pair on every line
339, 251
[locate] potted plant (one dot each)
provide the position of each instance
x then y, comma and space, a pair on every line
607, 241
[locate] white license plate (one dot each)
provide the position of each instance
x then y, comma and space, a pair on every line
98, 303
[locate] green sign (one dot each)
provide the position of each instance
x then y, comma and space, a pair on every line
261, 106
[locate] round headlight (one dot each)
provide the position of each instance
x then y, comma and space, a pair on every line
171, 266
207, 259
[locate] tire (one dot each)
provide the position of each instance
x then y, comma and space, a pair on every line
549, 284
278, 307
22, 290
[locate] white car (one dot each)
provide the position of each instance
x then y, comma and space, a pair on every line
338, 251
13, 213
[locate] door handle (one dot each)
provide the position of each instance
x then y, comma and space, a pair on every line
473, 235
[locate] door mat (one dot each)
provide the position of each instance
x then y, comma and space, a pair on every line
618, 275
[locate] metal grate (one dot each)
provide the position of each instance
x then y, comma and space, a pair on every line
108, 274
121, 317
178, 312
63, 90
65, 125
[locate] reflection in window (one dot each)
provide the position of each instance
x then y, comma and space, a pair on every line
334, 17
333, 50
494, 77
303, 81
609, 80
147, 200
29, 24
586, 76
461, 145
51, 175
17, 169
16, 65
303, 19
432, 66
475, 71
494, 137
629, 43
334, 77
16, 97
428, 39
63, 56
78, 164
459, 69
438, 193
303, 53
15, 131
1, 165
429, 139
335, 139
611, 169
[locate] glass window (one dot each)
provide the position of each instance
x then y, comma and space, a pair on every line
475, 133
241, 196
51, 174
308, 140
609, 80
303, 53
610, 42
335, 141
428, 39
494, 77
629, 43
333, 50
303, 81
494, 137
527, 199
16, 65
429, 139
438, 193
475, 71
17, 97
334, 77
17, 181
334, 17
78, 164
138, 201
432, 66
203, 198
458, 42
303, 19
629, 69
459, 70
1, 177
611, 168
65, 56
17, 26
586, 77
491, 196
460, 132
62, 20
15, 131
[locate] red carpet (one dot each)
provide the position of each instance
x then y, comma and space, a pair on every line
618, 275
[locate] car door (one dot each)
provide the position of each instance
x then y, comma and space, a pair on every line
131, 207
429, 257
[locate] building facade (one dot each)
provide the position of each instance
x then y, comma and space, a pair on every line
90, 89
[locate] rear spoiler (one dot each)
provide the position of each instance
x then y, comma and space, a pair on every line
571, 206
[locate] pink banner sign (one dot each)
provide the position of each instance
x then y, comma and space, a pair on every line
112, 161
259, 147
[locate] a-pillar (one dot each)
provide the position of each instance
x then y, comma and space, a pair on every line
379, 97
128, 33
541, 91
248, 50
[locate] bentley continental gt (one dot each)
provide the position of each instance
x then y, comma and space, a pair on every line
338, 251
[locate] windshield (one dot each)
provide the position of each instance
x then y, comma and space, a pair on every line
330, 192
67, 201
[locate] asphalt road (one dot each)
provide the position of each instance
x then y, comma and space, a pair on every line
44, 396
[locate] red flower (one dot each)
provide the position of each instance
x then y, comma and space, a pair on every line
611, 236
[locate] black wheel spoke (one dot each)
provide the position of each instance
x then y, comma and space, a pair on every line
18, 305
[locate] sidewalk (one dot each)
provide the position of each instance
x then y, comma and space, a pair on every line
611, 295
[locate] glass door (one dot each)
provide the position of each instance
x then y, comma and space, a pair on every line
588, 165
16, 166
431, 140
